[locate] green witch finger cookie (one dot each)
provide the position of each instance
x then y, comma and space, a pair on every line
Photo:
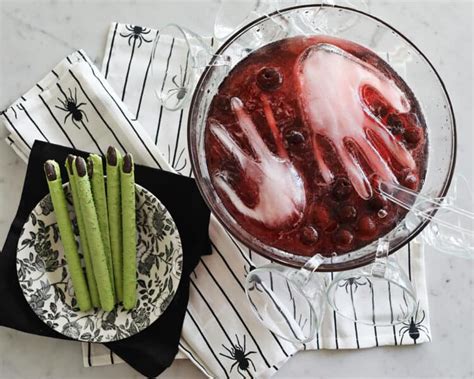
114, 161
91, 222
96, 175
58, 199
82, 233
129, 231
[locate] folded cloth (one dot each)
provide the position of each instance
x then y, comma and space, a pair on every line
152, 350
218, 317
218, 311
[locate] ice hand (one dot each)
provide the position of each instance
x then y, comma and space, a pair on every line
281, 193
330, 81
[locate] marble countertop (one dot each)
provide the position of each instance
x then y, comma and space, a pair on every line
35, 35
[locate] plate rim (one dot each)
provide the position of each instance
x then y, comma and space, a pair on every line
179, 250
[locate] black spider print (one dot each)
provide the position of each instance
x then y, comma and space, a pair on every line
137, 33
180, 89
352, 282
72, 108
256, 282
414, 327
240, 356
179, 164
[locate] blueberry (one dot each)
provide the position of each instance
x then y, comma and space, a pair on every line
269, 79
294, 138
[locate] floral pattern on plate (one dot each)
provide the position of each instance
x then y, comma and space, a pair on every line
46, 283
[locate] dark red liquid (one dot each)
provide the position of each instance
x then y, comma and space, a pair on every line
334, 218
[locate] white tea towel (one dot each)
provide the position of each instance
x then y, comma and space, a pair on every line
168, 130
74, 105
218, 317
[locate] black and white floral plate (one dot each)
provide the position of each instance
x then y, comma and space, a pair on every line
46, 285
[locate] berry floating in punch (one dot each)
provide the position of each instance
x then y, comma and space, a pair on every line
332, 112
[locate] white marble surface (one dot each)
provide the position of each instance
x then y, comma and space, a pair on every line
35, 35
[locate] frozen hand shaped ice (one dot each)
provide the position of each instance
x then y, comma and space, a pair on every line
281, 193
330, 81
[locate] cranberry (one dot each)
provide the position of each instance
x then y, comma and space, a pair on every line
323, 219
410, 180
413, 135
294, 138
309, 235
269, 79
321, 215
343, 238
331, 226
377, 202
342, 188
395, 124
347, 213
366, 226
222, 102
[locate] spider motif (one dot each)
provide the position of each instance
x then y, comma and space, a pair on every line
181, 90
177, 165
136, 33
69, 105
353, 282
14, 111
299, 320
238, 354
414, 327
255, 280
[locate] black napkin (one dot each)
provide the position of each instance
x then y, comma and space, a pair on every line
153, 350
